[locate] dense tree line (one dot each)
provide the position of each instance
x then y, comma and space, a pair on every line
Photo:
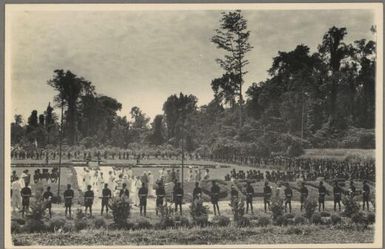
320, 99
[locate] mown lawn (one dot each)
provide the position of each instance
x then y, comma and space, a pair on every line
209, 235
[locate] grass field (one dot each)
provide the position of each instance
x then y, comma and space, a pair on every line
210, 235
340, 154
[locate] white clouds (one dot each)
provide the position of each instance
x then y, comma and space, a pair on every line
142, 57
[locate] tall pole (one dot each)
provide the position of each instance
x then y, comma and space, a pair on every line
182, 162
60, 144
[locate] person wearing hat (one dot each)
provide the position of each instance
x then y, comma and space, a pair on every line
178, 197
321, 196
249, 197
47, 197
106, 196
337, 191
288, 196
266, 195
197, 192
215, 190
143, 192
160, 194
365, 195
88, 199
68, 196
26, 194
304, 192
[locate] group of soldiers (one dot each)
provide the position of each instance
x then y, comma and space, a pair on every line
178, 195
43, 154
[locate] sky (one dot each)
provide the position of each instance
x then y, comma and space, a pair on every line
142, 57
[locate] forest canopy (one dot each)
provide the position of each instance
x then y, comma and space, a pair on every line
324, 99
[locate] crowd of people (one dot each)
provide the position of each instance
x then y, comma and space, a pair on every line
121, 183
310, 170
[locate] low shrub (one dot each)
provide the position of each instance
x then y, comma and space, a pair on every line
299, 220
359, 218
141, 223
316, 219
56, 224
181, 220
15, 227
277, 207
221, 221
335, 219
280, 221
81, 224
80, 214
325, 214
310, 207
243, 222
199, 213
100, 223
263, 221
371, 218
351, 206
34, 226
68, 227
120, 212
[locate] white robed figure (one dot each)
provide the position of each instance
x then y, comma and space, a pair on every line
134, 191
130, 173
16, 195
151, 191
87, 178
100, 184
111, 180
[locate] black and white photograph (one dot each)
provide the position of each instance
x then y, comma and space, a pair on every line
193, 125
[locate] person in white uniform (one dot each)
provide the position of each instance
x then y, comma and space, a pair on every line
16, 195
151, 191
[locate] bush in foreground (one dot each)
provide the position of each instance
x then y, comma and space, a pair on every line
299, 220
335, 219
56, 224
15, 227
263, 221
316, 219
221, 221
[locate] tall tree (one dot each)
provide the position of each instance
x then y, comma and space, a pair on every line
176, 109
233, 36
70, 88
157, 136
333, 51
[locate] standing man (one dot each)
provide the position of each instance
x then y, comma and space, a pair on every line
178, 197
304, 193
215, 197
106, 195
88, 199
47, 198
321, 196
288, 195
266, 195
249, 197
160, 194
197, 192
26, 194
143, 192
365, 195
68, 196
337, 191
